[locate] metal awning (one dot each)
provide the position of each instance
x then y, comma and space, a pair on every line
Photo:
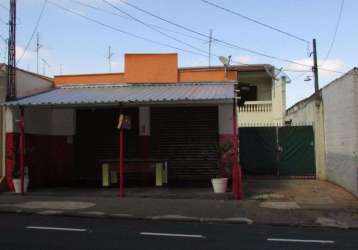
130, 93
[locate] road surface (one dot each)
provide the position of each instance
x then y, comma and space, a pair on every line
54, 232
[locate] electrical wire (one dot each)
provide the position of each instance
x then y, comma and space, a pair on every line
335, 32
154, 25
297, 77
155, 29
128, 18
219, 40
255, 21
34, 30
122, 31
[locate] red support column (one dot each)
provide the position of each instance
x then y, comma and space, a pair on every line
236, 170
121, 162
22, 149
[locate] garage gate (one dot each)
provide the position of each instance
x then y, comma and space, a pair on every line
277, 151
185, 137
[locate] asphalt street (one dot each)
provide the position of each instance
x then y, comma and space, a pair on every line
55, 232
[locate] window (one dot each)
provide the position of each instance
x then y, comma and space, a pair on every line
252, 95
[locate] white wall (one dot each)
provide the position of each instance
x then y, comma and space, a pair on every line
29, 84
43, 121
225, 119
279, 100
341, 132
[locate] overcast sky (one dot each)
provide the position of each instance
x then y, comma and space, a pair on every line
76, 45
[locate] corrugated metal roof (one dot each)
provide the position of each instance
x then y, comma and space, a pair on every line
136, 93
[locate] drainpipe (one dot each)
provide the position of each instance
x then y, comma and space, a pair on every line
22, 149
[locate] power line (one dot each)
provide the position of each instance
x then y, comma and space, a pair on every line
154, 25
122, 31
219, 40
298, 76
335, 33
255, 21
128, 18
34, 30
152, 28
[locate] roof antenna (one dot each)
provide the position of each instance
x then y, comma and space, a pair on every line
226, 62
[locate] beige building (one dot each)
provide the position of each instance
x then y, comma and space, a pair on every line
267, 102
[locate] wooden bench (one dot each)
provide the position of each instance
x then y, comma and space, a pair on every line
158, 167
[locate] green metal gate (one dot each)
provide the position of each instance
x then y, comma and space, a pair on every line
277, 151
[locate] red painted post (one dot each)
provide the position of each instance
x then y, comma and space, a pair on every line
236, 170
121, 162
22, 149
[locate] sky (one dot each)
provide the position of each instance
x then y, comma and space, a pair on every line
71, 44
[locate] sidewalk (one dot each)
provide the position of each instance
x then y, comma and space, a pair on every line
327, 206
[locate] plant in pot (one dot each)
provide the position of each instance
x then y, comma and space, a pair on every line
16, 173
223, 151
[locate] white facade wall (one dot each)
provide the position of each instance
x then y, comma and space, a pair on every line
341, 132
29, 84
225, 119
43, 121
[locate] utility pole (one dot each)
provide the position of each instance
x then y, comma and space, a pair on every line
11, 65
315, 73
210, 42
37, 50
60, 69
109, 57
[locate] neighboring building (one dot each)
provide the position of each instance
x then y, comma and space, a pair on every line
27, 83
336, 129
177, 115
266, 105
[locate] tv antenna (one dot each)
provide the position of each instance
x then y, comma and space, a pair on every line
226, 62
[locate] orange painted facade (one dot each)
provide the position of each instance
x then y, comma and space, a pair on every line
199, 75
150, 68
110, 78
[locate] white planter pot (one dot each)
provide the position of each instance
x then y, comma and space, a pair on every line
219, 185
17, 185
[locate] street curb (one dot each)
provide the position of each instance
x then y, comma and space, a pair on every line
88, 214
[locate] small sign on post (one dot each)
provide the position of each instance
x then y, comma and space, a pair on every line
124, 121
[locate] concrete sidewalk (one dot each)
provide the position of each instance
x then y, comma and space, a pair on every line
291, 202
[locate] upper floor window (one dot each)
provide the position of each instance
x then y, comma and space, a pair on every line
252, 95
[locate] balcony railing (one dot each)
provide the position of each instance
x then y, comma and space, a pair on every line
256, 107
